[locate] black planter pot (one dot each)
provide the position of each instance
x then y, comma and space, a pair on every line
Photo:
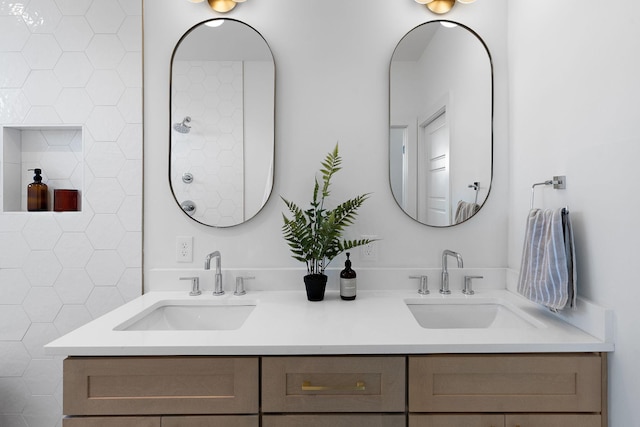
315, 285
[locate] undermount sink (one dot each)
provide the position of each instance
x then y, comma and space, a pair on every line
194, 315
469, 313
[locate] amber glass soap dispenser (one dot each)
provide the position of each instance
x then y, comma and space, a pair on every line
37, 193
348, 281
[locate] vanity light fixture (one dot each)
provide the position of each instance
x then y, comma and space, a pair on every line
442, 6
222, 6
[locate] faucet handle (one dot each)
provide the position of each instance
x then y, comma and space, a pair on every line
423, 289
468, 289
195, 285
240, 285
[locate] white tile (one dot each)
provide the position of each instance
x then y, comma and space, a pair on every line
13, 250
18, 102
73, 285
130, 33
42, 376
42, 16
59, 137
103, 299
42, 115
105, 232
13, 33
130, 250
14, 286
14, 395
105, 87
73, 34
130, 69
71, 317
73, 7
105, 159
37, 336
13, 69
14, 323
105, 16
13, 8
131, 7
130, 105
105, 123
41, 231
41, 51
42, 304
73, 69
59, 164
73, 250
12, 420
105, 268
42, 87
130, 284
105, 195
14, 359
75, 221
42, 411
130, 177
73, 105
130, 141
41, 268
105, 51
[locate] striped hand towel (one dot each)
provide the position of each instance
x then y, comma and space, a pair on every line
465, 210
547, 272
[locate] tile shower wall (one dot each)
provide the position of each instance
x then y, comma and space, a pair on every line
211, 94
67, 62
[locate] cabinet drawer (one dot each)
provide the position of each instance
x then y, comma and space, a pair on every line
456, 420
360, 420
112, 422
505, 383
160, 385
550, 420
333, 384
213, 421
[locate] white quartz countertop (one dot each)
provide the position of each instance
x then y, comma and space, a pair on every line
285, 323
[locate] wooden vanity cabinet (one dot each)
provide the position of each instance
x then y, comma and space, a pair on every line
118, 391
345, 391
519, 390
474, 390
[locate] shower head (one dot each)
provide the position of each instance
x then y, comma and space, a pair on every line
183, 127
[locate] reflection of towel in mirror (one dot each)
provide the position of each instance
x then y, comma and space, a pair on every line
547, 271
465, 210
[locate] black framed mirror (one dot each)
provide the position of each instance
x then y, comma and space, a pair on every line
441, 123
222, 110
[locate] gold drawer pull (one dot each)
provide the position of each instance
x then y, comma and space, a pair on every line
306, 386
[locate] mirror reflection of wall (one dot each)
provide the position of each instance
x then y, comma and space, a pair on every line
441, 140
222, 115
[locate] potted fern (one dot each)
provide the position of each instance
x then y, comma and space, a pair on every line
314, 235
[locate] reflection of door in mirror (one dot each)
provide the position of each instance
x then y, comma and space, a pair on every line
222, 111
437, 68
434, 199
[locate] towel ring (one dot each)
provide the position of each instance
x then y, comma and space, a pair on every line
559, 183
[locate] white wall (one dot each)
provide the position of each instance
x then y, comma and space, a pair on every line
332, 70
575, 110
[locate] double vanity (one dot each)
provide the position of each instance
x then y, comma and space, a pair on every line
389, 358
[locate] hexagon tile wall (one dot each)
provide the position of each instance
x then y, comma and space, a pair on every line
68, 62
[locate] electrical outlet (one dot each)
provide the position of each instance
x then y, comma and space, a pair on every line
369, 252
184, 249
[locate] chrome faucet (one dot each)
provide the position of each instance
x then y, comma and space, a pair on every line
444, 285
217, 289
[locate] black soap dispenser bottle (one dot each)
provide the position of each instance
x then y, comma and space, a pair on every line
348, 281
37, 193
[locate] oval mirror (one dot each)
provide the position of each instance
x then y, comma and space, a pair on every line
441, 120
222, 122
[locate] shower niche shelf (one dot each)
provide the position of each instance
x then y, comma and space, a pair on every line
56, 149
